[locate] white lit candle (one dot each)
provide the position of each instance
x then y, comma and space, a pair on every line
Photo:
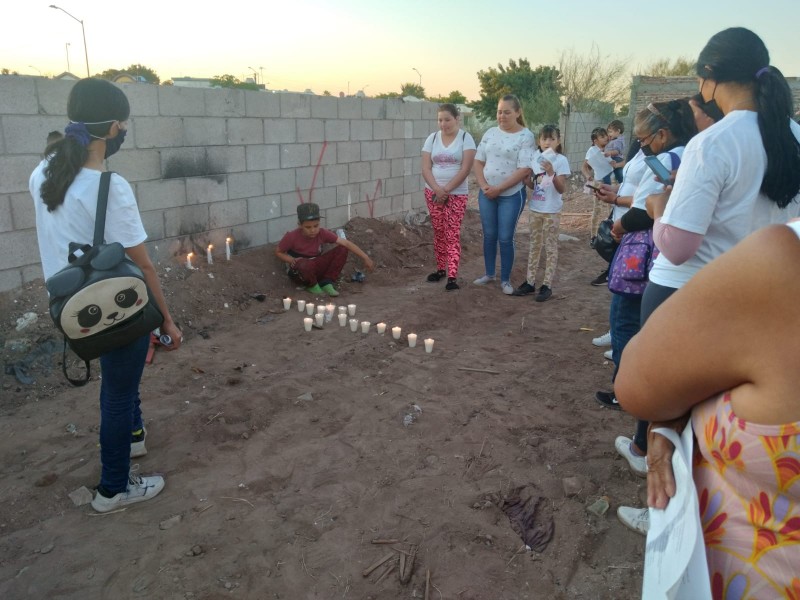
381, 327
412, 340
228, 248
329, 308
396, 332
342, 319
342, 310
353, 324
428, 345
287, 303
319, 319
301, 305
189, 260
208, 254
351, 310
310, 308
365, 326
307, 323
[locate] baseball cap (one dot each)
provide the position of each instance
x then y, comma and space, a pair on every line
307, 212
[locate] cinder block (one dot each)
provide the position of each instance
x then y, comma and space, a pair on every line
201, 190
305, 178
183, 162
28, 134
280, 131
160, 194
347, 152
32, 273
261, 158
371, 150
347, 194
394, 149
16, 171
336, 174
6, 218
185, 220
381, 169
181, 101
158, 132
416, 200
142, 97
227, 159
250, 235
289, 202
10, 279
295, 106
245, 185
325, 197
224, 102
324, 107
383, 130
20, 248
430, 110
349, 108
373, 108
295, 155
205, 131
18, 96
310, 130
393, 186
411, 184
337, 130
413, 147
403, 130
263, 208
153, 221
381, 207
323, 154
360, 130
336, 217
245, 131
412, 110
394, 108
371, 189
262, 104
23, 213
398, 167
228, 213
422, 129
277, 181
276, 228
359, 171
53, 95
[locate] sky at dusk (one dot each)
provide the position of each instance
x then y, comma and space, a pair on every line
349, 45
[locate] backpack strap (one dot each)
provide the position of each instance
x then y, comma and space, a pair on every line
75, 382
676, 160
102, 205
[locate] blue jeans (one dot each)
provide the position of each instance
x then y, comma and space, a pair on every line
624, 318
119, 411
499, 221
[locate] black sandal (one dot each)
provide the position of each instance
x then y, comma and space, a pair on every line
434, 277
451, 284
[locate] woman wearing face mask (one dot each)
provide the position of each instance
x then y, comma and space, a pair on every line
502, 163
64, 187
736, 176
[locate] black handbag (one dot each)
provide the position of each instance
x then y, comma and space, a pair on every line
100, 301
603, 242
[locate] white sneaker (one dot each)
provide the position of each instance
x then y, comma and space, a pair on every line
609, 354
507, 288
139, 489
603, 340
483, 280
635, 519
138, 449
638, 464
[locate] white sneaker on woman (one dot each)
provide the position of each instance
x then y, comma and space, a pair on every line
507, 288
635, 519
603, 340
638, 464
483, 280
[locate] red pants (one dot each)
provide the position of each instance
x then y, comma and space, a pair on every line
322, 269
446, 220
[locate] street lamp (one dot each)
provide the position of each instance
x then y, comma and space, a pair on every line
83, 30
66, 47
32, 67
255, 74
420, 75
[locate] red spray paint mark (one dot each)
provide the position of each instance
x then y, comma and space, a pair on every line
300, 199
371, 201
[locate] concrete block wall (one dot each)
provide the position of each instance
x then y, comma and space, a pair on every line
576, 136
207, 164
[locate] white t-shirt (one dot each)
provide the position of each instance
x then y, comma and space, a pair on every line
632, 174
545, 197
648, 184
446, 160
73, 221
717, 194
503, 153
601, 165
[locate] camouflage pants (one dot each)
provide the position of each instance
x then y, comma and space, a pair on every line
544, 234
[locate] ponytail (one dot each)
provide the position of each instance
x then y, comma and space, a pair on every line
67, 159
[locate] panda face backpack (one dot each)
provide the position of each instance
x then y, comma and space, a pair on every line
100, 301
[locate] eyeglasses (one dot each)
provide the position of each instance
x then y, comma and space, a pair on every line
651, 137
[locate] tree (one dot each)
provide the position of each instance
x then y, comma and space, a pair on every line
518, 79
230, 81
136, 70
454, 97
326, 93
412, 89
388, 95
594, 83
682, 66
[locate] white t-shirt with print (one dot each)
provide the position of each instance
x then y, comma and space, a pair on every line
446, 160
503, 153
632, 174
73, 221
545, 197
601, 165
649, 184
717, 194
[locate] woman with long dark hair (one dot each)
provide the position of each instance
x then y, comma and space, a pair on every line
64, 187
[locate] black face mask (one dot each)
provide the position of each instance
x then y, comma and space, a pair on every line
710, 108
647, 150
113, 144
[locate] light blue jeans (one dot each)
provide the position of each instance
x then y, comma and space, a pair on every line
499, 221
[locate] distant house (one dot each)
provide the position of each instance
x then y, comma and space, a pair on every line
193, 82
67, 76
128, 78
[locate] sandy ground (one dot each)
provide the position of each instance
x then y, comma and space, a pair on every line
287, 454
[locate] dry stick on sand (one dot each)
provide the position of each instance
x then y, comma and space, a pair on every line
237, 500
380, 541
214, 417
478, 370
405, 575
388, 570
376, 564
427, 584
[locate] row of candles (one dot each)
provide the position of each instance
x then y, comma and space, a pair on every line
326, 312
209, 258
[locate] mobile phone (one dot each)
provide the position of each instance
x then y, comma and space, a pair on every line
659, 169
594, 185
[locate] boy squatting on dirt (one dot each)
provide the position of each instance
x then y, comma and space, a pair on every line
301, 250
